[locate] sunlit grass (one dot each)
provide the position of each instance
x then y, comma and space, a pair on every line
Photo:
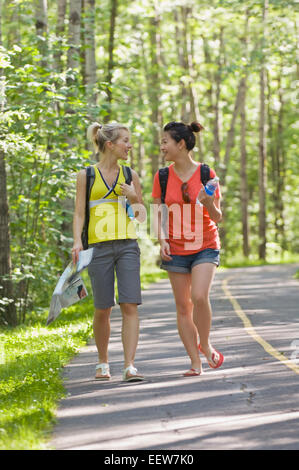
272, 258
32, 360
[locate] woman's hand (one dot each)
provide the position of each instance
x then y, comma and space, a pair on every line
128, 190
77, 247
165, 250
212, 205
204, 198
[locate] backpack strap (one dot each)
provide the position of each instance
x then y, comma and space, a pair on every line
163, 178
90, 177
128, 179
204, 173
127, 174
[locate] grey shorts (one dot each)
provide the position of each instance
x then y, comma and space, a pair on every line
122, 257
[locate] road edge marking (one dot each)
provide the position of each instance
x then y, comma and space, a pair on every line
251, 331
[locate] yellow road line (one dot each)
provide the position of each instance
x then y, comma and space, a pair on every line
251, 331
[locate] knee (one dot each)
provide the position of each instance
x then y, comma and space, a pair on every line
200, 299
129, 309
102, 313
184, 308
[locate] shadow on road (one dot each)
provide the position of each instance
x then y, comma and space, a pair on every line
249, 403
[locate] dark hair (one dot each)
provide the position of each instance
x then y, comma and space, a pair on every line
179, 131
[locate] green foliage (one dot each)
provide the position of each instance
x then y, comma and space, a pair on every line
44, 115
45, 112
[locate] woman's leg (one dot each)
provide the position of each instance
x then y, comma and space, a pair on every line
129, 295
181, 286
130, 332
202, 278
101, 329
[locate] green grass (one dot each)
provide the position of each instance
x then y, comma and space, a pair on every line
32, 357
31, 384
239, 261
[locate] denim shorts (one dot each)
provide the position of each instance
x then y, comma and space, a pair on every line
185, 263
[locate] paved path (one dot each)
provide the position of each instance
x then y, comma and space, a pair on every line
251, 402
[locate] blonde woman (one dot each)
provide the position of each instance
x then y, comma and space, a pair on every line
113, 236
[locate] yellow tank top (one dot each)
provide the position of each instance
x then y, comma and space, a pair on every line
108, 219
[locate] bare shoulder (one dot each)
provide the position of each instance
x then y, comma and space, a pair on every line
81, 179
81, 173
135, 175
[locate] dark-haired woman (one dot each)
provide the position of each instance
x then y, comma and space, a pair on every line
190, 249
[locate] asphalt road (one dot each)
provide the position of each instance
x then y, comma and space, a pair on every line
251, 402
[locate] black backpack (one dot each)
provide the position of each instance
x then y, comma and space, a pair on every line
163, 178
90, 177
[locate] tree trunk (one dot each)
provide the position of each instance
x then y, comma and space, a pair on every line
73, 55
140, 158
223, 170
217, 78
60, 30
210, 109
193, 108
8, 309
180, 17
73, 64
90, 59
231, 134
243, 180
8, 313
1, 16
57, 54
12, 22
113, 16
280, 166
262, 144
82, 41
183, 62
41, 17
73, 60
41, 25
154, 91
243, 172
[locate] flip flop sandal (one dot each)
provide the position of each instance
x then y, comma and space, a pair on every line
192, 373
104, 372
130, 374
211, 360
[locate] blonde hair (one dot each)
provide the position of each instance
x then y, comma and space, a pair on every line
99, 134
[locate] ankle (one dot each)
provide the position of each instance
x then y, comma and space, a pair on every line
103, 360
128, 364
196, 364
206, 348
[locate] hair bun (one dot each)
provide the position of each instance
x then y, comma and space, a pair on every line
196, 126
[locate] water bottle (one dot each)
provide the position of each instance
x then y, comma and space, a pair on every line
129, 210
127, 206
211, 186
